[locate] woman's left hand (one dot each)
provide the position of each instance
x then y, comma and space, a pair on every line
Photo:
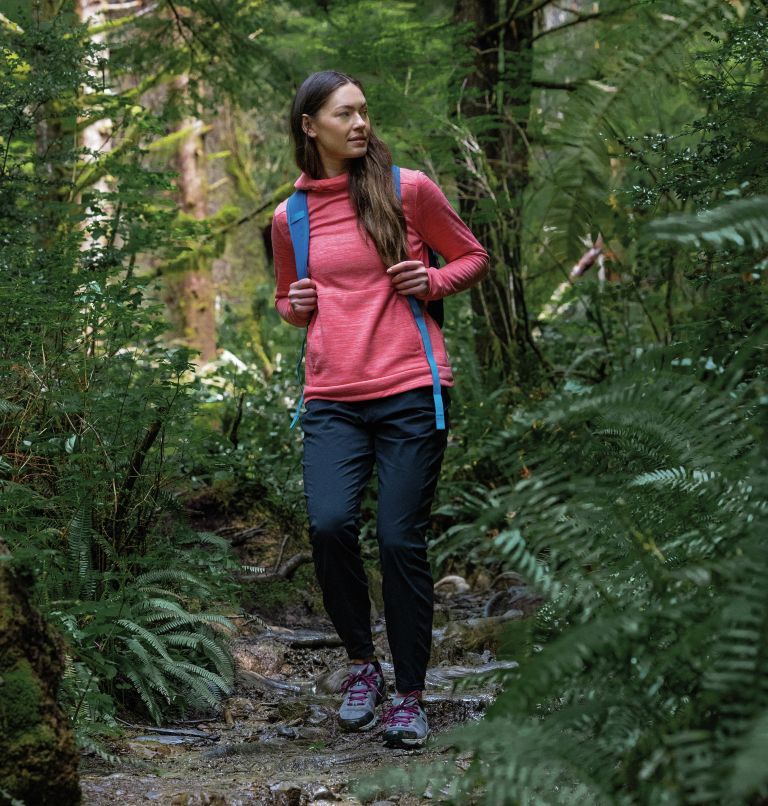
409, 278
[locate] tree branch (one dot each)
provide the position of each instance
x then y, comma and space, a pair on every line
554, 85
597, 15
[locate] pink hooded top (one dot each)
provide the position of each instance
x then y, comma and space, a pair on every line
363, 342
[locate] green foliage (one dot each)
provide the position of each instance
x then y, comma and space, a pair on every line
96, 416
647, 683
635, 504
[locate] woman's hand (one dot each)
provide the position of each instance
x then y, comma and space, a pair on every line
409, 278
302, 296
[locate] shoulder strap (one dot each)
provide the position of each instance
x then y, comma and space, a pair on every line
421, 324
298, 225
396, 178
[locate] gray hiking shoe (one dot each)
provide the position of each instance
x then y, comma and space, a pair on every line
363, 689
405, 723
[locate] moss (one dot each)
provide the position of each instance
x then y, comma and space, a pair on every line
38, 757
21, 699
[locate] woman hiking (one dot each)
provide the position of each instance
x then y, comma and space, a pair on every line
369, 385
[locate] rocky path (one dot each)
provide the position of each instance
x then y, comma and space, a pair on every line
276, 741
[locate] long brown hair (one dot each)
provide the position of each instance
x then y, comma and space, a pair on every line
371, 188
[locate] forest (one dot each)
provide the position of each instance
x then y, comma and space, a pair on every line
601, 620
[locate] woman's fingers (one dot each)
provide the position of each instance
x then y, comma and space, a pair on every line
303, 296
409, 278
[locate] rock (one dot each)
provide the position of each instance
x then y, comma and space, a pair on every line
310, 734
198, 798
265, 657
322, 792
38, 756
451, 585
317, 715
471, 635
286, 793
330, 682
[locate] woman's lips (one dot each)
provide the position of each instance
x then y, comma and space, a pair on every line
359, 141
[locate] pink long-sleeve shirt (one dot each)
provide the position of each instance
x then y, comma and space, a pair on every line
363, 342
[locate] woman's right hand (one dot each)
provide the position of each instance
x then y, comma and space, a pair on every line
302, 296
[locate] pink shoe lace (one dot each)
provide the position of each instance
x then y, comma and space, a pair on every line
369, 679
402, 714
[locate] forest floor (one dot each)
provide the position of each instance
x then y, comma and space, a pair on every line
276, 741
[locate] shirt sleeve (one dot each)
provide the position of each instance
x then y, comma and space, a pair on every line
285, 268
440, 226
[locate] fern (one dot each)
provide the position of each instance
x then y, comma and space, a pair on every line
740, 223
600, 112
8, 407
650, 684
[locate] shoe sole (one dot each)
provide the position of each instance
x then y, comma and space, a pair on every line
358, 728
406, 743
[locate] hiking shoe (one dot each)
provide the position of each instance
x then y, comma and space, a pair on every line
405, 723
363, 689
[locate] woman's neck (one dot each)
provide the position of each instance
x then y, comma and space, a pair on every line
333, 168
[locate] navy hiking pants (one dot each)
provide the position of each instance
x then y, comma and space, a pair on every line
342, 443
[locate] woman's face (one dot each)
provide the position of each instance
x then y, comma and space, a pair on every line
340, 128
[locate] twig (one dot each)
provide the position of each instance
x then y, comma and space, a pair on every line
286, 571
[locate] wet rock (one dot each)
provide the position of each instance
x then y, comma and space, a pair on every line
322, 792
317, 715
330, 682
450, 586
286, 793
265, 657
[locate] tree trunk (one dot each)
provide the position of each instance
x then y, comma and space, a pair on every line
96, 137
38, 757
499, 90
190, 295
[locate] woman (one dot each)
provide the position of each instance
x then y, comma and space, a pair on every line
368, 389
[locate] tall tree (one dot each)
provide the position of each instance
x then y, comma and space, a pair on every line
495, 100
190, 294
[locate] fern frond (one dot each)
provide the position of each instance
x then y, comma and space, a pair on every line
171, 575
150, 638
740, 223
198, 691
8, 407
145, 694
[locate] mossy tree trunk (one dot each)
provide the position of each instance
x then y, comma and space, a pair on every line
38, 757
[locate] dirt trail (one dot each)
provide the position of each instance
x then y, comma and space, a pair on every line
276, 741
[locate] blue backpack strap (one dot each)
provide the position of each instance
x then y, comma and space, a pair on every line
298, 225
418, 315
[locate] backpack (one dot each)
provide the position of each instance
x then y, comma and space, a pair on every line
298, 225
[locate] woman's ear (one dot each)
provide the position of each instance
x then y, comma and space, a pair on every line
306, 124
